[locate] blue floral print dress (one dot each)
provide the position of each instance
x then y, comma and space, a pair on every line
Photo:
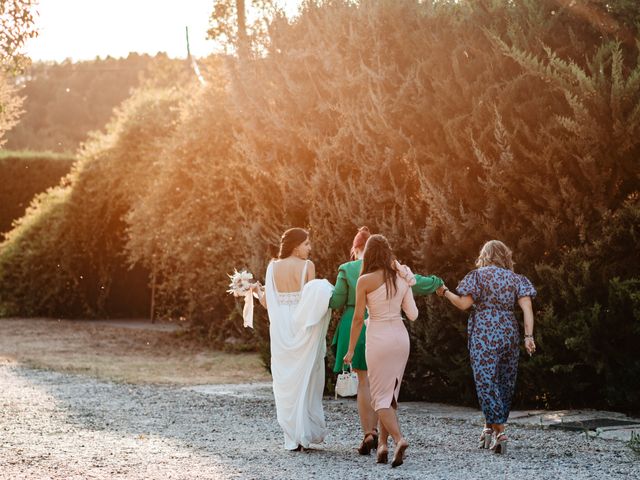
494, 335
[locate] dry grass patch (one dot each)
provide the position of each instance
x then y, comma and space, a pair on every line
123, 354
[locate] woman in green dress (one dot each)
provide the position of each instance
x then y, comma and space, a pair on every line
344, 295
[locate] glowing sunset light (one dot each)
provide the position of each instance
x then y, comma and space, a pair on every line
85, 29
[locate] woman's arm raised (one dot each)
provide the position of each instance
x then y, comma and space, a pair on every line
426, 285
340, 291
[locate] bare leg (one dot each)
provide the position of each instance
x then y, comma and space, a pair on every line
383, 445
384, 437
368, 417
496, 427
389, 421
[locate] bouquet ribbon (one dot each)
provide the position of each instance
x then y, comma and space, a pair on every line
247, 311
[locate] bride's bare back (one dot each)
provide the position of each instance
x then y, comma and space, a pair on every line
288, 271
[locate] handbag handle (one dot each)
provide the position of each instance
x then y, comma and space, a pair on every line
343, 369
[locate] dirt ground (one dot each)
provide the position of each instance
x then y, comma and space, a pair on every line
116, 353
97, 401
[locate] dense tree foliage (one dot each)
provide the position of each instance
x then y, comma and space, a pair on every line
65, 101
440, 124
16, 27
64, 257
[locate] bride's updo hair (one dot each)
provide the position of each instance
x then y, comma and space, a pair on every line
379, 256
290, 240
360, 240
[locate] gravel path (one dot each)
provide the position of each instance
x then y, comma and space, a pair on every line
63, 426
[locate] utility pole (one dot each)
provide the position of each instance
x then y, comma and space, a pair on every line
192, 60
152, 308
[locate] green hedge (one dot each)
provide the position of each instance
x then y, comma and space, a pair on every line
65, 257
24, 174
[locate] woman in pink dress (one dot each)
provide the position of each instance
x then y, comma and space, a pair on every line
386, 293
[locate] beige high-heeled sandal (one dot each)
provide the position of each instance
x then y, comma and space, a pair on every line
398, 455
499, 443
485, 438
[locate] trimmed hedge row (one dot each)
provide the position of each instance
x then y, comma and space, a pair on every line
24, 174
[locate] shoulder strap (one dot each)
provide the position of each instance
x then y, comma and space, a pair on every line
304, 274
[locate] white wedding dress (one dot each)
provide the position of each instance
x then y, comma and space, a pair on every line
298, 327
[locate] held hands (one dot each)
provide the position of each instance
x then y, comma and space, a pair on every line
348, 358
441, 289
405, 272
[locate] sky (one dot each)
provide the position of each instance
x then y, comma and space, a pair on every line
85, 29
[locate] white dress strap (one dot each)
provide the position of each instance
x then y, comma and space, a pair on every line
270, 277
304, 274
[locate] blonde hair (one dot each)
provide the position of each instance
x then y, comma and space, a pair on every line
494, 252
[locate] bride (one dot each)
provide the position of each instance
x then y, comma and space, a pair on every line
298, 308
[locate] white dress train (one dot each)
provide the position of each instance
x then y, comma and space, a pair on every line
298, 323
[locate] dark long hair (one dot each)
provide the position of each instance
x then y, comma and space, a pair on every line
379, 256
290, 240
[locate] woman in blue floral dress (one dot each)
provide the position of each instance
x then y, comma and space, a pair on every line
492, 290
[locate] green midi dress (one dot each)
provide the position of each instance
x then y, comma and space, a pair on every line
344, 295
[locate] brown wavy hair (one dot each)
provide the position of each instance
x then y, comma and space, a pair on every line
290, 240
379, 256
360, 240
494, 252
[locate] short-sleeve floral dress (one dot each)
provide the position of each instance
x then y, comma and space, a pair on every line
494, 335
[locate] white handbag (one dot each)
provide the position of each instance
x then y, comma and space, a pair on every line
347, 383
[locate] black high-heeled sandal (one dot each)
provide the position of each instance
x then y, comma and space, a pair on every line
369, 442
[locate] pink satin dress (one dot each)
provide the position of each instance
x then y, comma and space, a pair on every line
387, 342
